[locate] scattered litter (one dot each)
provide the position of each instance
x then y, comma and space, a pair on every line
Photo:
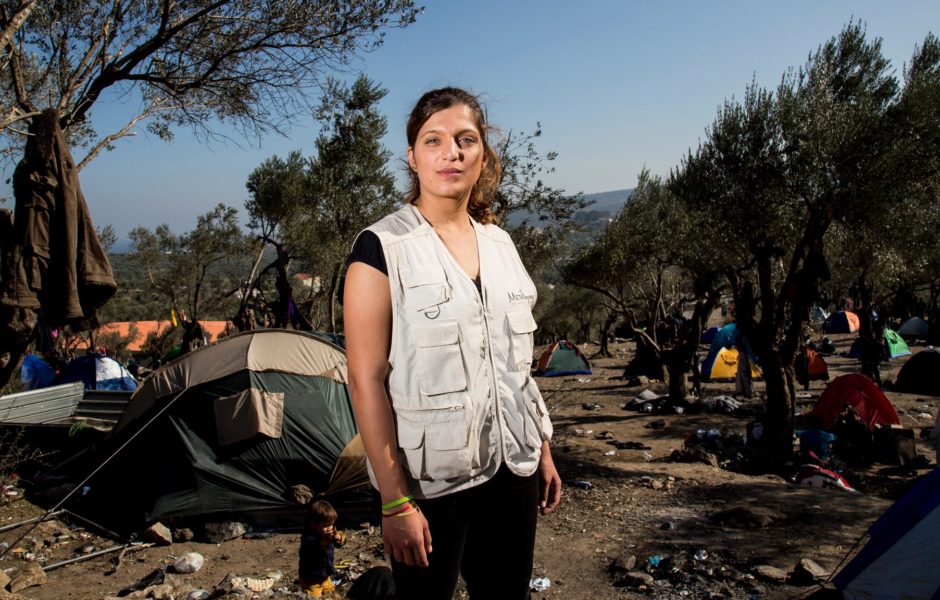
583, 431
610, 453
701, 555
591, 406
581, 483
582, 380
725, 404
539, 584
604, 435
647, 395
655, 560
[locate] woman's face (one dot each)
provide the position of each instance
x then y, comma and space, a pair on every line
448, 154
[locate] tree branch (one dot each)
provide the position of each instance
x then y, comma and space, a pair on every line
13, 24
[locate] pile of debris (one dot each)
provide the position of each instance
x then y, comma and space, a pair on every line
698, 573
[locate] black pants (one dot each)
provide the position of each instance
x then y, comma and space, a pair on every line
486, 534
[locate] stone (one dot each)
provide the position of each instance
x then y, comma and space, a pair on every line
748, 517
622, 564
163, 591
183, 535
696, 454
636, 578
656, 484
216, 533
189, 563
301, 494
4, 579
808, 572
159, 534
32, 574
770, 573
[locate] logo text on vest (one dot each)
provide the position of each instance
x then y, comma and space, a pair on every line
519, 297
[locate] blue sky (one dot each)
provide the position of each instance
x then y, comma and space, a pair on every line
616, 85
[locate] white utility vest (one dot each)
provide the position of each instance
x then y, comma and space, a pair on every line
459, 382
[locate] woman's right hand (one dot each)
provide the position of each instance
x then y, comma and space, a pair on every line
407, 539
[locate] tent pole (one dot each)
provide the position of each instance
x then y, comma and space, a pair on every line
81, 484
29, 521
131, 547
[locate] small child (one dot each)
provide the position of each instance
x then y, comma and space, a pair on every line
317, 542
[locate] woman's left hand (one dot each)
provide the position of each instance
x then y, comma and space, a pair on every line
549, 482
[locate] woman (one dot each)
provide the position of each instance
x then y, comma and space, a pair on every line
438, 321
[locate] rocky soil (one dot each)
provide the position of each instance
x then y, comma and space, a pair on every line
634, 522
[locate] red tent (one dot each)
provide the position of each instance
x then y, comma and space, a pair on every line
810, 366
859, 392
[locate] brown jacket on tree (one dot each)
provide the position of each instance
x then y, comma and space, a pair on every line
55, 261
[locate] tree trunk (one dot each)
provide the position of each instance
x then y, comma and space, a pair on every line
677, 368
334, 290
604, 352
777, 436
17, 331
288, 314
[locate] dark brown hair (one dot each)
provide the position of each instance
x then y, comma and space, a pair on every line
322, 511
480, 206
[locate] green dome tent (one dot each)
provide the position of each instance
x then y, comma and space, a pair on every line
563, 358
228, 431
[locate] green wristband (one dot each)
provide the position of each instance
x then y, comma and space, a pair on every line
395, 503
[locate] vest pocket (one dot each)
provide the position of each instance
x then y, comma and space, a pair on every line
533, 424
439, 361
521, 328
424, 287
433, 442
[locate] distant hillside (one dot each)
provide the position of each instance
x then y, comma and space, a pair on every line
609, 201
604, 205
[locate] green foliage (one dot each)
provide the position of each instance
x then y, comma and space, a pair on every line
637, 263
248, 63
16, 454
312, 209
541, 219
196, 271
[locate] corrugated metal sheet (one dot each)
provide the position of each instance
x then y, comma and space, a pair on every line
103, 405
42, 406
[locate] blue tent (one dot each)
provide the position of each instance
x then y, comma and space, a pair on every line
97, 373
900, 558
35, 372
708, 336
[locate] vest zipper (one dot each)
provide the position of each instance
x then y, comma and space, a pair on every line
494, 385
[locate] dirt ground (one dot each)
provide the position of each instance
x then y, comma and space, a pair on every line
619, 506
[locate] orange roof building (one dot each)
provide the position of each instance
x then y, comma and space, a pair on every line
213, 330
